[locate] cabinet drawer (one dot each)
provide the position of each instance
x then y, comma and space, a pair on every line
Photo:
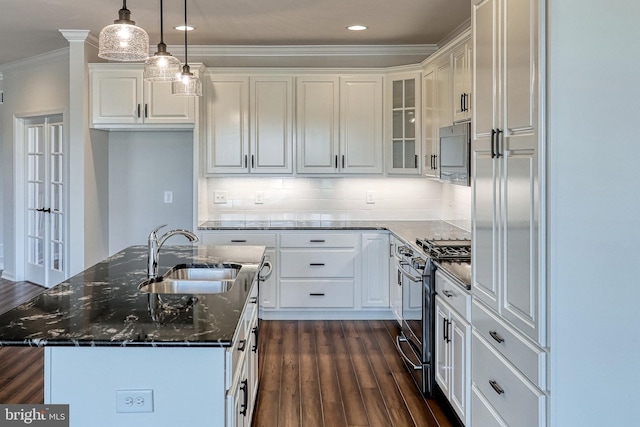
235, 355
317, 263
249, 239
514, 398
528, 358
454, 295
316, 293
483, 414
318, 240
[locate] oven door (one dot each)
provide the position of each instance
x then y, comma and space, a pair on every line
412, 305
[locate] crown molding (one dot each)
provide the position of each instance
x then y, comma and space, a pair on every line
306, 50
53, 56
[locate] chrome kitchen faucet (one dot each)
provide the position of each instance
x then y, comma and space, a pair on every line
155, 243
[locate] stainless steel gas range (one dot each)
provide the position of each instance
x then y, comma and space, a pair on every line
416, 268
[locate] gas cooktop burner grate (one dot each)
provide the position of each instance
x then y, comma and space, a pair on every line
459, 250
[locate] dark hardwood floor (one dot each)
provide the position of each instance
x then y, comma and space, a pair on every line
337, 373
312, 373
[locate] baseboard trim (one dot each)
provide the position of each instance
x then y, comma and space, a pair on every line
307, 314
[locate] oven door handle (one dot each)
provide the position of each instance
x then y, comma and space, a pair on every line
400, 339
407, 274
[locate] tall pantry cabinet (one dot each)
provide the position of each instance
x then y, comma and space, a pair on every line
507, 210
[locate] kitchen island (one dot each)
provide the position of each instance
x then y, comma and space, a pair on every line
114, 364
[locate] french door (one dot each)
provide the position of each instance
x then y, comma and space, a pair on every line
45, 245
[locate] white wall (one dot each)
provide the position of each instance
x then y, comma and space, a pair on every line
594, 209
142, 166
1, 192
332, 198
34, 87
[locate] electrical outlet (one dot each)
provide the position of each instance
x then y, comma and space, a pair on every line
220, 196
259, 197
370, 198
168, 196
134, 400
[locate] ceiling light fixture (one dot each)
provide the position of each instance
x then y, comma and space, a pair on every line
187, 84
123, 40
162, 66
357, 27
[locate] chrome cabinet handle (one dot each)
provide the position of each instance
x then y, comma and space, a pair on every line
496, 336
261, 276
496, 387
407, 274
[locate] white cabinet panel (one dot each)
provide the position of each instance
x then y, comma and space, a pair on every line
361, 127
318, 264
317, 119
517, 401
301, 293
374, 271
121, 99
318, 240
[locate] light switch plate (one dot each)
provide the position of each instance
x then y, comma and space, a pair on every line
220, 196
259, 197
370, 198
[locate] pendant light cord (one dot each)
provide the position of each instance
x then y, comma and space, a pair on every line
186, 62
161, 26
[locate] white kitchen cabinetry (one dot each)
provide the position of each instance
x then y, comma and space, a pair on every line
505, 180
249, 124
122, 99
453, 344
403, 132
339, 124
318, 124
444, 76
374, 249
317, 270
461, 67
267, 288
242, 357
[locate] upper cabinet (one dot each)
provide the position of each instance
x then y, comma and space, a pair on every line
403, 132
461, 68
339, 124
249, 124
121, 99
446, 91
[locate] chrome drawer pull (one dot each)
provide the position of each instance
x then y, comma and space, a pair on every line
448, 294
496, 387
496, 337
316, 294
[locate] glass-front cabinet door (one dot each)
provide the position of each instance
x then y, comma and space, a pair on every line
403, 93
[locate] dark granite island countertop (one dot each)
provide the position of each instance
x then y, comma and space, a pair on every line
102, 306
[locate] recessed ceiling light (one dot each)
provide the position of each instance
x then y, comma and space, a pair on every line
182, 28
357, 27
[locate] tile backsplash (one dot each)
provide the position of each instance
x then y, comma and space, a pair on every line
343, 198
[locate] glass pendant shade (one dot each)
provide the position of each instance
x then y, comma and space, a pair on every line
187, 84
162, 66
123, 40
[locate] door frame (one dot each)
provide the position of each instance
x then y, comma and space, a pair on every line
20, 182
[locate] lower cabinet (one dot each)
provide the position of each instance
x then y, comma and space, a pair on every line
319, 274
453, 345
242, 374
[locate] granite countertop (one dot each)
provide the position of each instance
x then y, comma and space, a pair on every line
407, 231
102, 305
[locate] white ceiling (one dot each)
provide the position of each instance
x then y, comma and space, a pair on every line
261, 27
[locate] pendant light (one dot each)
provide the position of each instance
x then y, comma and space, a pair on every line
162, 66
123, 40
187, 84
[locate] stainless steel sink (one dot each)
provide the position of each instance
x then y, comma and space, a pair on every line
183, 279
